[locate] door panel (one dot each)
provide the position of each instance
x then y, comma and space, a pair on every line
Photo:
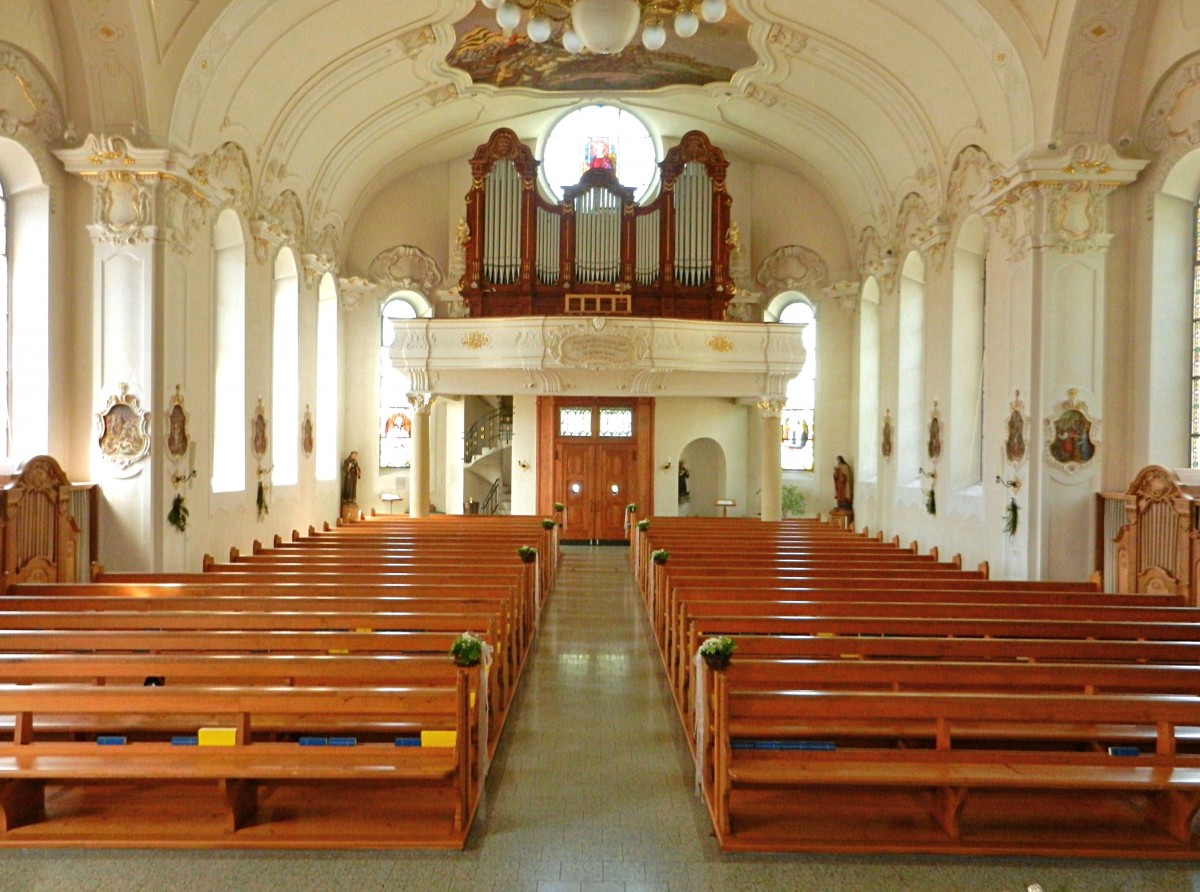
579, 490
615, 478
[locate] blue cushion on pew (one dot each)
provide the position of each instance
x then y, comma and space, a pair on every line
408, 741
110, 741
314, 741
185, 741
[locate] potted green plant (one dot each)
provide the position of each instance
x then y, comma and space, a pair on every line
558, 507
548, 523
527, 553
643, 524
717, 652
792, 501
631, 507
467, 650
660, 555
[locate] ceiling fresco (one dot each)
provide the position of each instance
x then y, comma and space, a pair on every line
489, 56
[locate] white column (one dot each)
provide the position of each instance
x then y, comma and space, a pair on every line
1050, 211
772, 470
418, 474
144, 200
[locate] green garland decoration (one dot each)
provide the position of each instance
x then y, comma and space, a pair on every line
260, 501
931, 502
1011, 515
178, 515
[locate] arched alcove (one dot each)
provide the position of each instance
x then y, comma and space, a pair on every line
705, 462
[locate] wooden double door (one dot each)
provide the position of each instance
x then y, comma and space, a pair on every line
594, 473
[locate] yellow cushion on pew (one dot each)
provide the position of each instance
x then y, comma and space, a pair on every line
217, 737
338, 651
363, 631
472, 699
438, 738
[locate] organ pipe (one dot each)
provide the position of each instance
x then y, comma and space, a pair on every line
527, 253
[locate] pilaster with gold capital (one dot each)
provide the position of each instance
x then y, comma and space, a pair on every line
1058, 201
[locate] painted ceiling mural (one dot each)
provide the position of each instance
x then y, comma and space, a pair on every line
489, 56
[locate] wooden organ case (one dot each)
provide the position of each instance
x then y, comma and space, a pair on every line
597, 252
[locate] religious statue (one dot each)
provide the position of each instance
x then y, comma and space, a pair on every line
351, 473
843, 485
462, 233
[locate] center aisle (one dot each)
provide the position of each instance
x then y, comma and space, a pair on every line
592, 785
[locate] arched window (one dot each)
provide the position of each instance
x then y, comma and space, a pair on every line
1195, 443
327, 380
26, 395
395, 420
5, 331
911, 396
285, 372
966, 387
229, 355
599, 136
868, 381
798, 416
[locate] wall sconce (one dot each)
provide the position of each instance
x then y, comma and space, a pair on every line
667, 466
929, 475
1014, 484
522, 464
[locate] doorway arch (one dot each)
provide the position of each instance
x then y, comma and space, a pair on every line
706, 466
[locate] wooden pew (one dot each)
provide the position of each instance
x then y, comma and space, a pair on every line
947, 798
314, 780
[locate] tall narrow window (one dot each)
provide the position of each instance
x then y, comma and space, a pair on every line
229, 355
395, 418
285, 372
327, 380
5, 332
798, 419
868, 381
1195, 450
911, 422
966, 386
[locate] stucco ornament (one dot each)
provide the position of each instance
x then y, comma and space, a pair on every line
28, 102
792, 268
594, 345
123, 431
406, 267
1072, 435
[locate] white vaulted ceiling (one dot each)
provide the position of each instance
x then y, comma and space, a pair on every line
867, 99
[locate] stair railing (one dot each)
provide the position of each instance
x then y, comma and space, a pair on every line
489, 432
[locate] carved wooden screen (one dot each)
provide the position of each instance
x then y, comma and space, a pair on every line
40, 537
1156, 547
597, 251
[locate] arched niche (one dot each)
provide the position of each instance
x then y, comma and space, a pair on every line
706, 465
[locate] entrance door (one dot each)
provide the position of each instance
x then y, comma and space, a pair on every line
597, 480
601, 450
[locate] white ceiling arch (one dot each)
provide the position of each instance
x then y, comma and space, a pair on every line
867, 99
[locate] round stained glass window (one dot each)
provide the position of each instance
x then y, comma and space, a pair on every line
599, 136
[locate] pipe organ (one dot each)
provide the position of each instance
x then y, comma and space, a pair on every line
597, 251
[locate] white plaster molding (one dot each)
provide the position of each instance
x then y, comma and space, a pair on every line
601, 356
35, 110
352, 290
1058, 201
792, 268
845, 294
406, 267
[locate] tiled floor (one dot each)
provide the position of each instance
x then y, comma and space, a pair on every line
591, 790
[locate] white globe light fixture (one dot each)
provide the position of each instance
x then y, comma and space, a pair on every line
687, 23
605, 26
712, 11
654, 35
571, 42
508, 15
538, 29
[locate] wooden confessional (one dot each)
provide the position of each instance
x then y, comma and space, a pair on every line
1157, 548
597, 252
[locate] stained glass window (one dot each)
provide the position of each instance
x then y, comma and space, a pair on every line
575, 422
1195, 451
599, 136
395, 437
797, 420
616, 422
